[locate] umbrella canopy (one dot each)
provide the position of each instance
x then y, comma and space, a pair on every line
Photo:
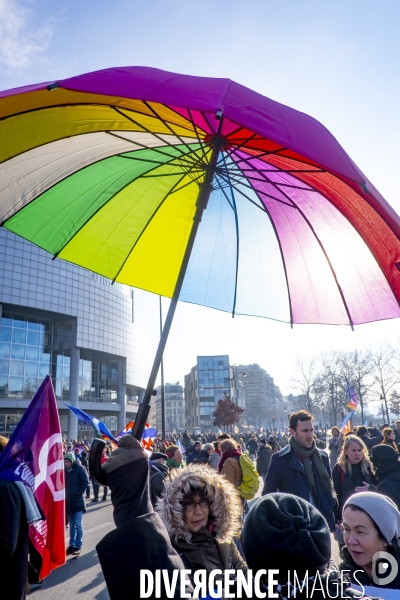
104, 170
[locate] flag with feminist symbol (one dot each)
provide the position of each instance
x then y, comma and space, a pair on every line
34, 457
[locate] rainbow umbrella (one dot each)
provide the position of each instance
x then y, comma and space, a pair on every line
198, 189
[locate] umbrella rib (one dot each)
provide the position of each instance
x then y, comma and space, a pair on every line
154, 149
78, 171
197, 135
266, 211
323, 250
166, 124
147, 224
192, 180
241, 182
146, 129
242, 193
330, 266
97, 210
237, 244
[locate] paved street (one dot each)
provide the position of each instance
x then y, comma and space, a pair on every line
82, 577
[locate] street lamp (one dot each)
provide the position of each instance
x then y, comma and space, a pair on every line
237, 375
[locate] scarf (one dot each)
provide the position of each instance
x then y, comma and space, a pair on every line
312, 453
31, 509
226, 455
173, 464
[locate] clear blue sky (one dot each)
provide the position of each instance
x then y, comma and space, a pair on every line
338, 61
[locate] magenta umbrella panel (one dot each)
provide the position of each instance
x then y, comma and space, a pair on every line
104, 170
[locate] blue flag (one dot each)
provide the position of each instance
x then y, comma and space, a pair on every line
98, 426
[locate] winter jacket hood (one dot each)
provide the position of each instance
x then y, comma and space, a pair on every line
224, 500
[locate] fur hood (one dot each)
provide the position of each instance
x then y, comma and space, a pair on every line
225, 503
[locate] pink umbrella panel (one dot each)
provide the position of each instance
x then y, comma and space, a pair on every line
104, 170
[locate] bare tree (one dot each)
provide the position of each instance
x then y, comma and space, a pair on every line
304, 380
356, 368
383, 373
330, 385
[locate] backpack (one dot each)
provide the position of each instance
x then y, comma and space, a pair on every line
250, 482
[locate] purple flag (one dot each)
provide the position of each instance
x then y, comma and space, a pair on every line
34, 456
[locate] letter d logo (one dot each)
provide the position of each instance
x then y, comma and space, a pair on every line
380, 565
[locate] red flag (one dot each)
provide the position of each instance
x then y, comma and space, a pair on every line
34, 455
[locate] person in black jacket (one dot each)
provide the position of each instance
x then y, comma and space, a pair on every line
352, 473
76, 483
387, 465
263, 457
195, 453
302, 469
158, 474
369, 440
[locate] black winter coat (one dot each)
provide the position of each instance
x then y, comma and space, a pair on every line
158, 474
14, 542
389, 482
286, 474
202, 458
76, 483
345, 485
263, 460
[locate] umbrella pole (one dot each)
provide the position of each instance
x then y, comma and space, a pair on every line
201, 204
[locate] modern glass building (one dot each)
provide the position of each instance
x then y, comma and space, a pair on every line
59, 319
205, 385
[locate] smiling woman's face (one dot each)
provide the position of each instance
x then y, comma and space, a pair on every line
195, 513
361, 538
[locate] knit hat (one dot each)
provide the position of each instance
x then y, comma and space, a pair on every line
282, 530
382, 511
70, 456
262, 441
383, 454
158, 455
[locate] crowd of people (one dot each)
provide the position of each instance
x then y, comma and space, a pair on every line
184, 505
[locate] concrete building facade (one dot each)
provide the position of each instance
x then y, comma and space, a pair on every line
174, 408
59, 319
261, 400
205, 385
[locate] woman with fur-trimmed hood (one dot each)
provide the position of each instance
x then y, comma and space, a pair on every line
201, 511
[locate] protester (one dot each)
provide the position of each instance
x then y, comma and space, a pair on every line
286, 533
397, 432
334, 446
76, 483
175, 456
195, 453
389, 438
17, 510
302, 469
229, 463
201, 512
159, 471
369, 440
387, 471
371, 524
203, 455
274, 444
252, 447
84, 463
352, 473
263, 457
214, 456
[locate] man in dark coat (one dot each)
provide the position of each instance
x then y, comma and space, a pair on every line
369, 440
263, 457
195, 454
302, 469
76, 483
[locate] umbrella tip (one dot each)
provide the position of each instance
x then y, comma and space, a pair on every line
364, 187
53, 86
218, 115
